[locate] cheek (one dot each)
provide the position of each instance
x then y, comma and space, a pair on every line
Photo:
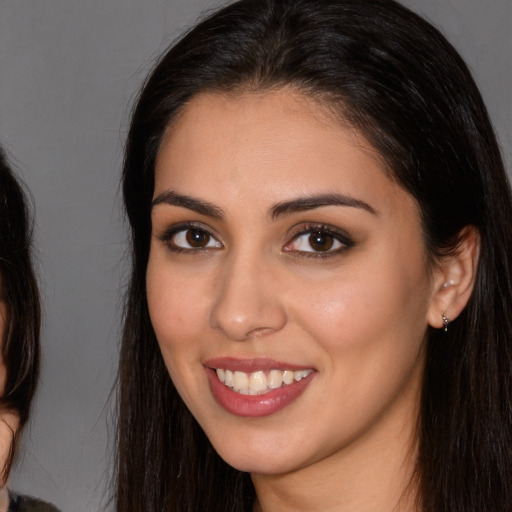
9, 425
370, 310
177, 306
370, 328
170, 318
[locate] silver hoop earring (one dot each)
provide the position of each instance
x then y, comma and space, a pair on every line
446, 321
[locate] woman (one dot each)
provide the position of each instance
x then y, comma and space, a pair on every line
318, 316
19, 327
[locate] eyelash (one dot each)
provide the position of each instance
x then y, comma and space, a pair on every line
309, 229
168, 235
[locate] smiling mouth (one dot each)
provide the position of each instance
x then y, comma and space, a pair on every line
260, 382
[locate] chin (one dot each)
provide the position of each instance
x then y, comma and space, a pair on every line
263, 454
260, 465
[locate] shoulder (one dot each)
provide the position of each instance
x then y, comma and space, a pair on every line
19, 503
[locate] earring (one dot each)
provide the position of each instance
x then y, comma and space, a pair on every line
446, 321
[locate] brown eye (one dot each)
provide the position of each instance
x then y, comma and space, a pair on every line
318, 241
197, 238
190, 238
321, 241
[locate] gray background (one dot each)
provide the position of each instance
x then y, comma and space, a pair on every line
68, 72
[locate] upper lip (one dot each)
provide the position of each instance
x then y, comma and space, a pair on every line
252, 365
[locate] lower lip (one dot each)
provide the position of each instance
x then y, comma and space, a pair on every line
255, 406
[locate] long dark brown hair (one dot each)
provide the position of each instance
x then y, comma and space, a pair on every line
20, 341
396, 79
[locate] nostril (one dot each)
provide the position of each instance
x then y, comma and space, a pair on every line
241, 319
260, 331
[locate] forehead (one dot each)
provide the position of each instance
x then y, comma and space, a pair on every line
270, 145
273, 110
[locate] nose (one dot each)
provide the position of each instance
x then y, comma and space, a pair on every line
248, 300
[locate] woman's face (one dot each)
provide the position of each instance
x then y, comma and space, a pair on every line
286, 263
9, 420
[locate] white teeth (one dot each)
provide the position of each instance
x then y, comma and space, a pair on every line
275, 379
288, 377
300, 374
240, 381
259, 383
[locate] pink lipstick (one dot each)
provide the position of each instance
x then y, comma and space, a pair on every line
256, 387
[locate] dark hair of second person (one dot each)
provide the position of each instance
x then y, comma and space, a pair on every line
20, 330
19, 293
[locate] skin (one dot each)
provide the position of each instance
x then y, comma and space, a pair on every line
9, 421
357, 316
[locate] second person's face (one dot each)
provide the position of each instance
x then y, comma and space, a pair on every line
287, 282
9, 419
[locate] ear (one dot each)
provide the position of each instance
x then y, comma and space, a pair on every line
454, 279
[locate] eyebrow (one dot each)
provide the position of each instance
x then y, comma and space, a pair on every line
311, 202
191, 203
283, 208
